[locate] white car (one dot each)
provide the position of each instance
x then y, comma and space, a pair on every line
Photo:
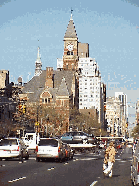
50, 148
13, 148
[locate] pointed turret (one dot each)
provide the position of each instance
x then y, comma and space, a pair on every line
38, 64
71, 32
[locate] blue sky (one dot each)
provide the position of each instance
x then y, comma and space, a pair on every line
109, 26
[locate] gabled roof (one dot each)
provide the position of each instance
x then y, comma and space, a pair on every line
70, 32
68, 75
35, 86
63, 90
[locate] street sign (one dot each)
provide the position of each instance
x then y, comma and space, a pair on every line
36, 123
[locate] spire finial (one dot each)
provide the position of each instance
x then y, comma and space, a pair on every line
71, 14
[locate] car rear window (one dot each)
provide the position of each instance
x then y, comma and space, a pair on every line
7, 142
48, 142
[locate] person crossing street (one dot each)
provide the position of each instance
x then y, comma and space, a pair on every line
109, 159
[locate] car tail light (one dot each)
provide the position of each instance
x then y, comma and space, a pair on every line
18, 148
59, 149
36, 148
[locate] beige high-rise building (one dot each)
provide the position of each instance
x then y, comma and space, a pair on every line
4, 78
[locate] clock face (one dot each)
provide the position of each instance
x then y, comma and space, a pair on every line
70, 47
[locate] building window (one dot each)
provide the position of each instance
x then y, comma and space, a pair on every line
71, 53
68, 52
80, 99
48, 100
45, 100
67, 66
42, 100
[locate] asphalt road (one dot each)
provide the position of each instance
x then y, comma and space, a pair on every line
84, 170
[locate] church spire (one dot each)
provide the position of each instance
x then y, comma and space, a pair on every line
71, 32
38, 64
71, 14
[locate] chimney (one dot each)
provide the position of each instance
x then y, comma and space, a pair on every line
49, 77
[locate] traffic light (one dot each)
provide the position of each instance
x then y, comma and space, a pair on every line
24, 109
20, 108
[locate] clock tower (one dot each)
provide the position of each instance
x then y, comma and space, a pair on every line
70, 57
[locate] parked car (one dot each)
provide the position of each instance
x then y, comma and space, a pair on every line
135, 166
50, 148
77, 137
68, 151
13, 148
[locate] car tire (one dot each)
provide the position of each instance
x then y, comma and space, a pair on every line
0, 159
60, 160
37, 159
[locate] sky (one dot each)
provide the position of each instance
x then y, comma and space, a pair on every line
111, 27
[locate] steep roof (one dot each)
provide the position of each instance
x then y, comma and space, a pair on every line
71, 32
68, 75
63, 90
35, 86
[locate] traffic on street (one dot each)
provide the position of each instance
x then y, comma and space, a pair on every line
85, 168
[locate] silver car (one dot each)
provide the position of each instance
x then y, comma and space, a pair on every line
77, 137
13, 148
50, 148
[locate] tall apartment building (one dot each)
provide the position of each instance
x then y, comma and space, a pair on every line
114, 116
91, 89
124, 107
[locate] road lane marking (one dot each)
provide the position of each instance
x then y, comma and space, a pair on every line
89, 159
11, 181
93, 183
66, 163
51, 168
2, 165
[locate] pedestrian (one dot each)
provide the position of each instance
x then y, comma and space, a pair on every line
109, 159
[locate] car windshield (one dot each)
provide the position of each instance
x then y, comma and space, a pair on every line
7, 142
48, 142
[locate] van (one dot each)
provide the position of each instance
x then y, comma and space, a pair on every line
30, 140
50, 148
